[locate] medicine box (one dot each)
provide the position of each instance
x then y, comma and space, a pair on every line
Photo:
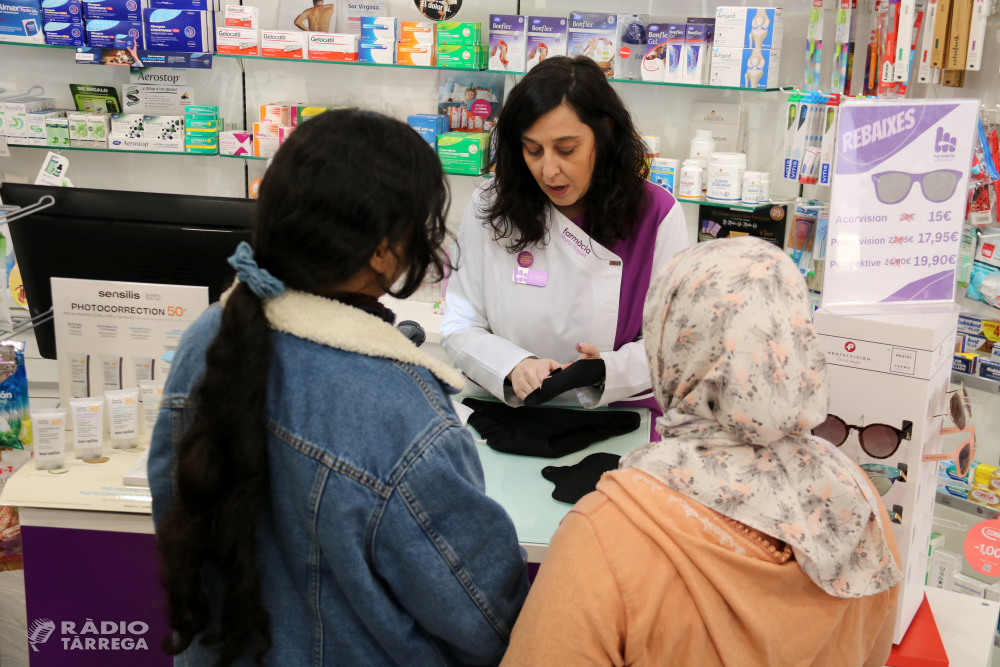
989, 369
972, 343
112, 10
21, 21
749, 27
196, 123
663, 172
970, 325
98, 127
163, 127
381, 53
202, 140
300, 112
464, 152
64, 33
103, 33
965, 363
127, 125
16, 111
416, 32
179, 30
196, 5
237, 41
697, 53
333, 47
460, 56
207, 109
547, 37
62, 10
745, 68
508, 41
284, 44
378, 28
455, 32
235, 143
241, 16
594, 35
420, 55
35, 122
996, 351
428, 126
654, 62
77, 125
142, 144
277, 114
352, 12
268, 137
57, 132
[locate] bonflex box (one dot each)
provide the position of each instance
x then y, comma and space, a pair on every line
382, 53
284, 44
420, 55
241, 16
352, 12
21, 21
654, 61
546, 38
745, 68
62, 10
594, 35
64, 33
333, 47
179, 30
697, 53
378, 28
674, 71
749, 27
508, 41
104, 33
237, 41
236, 143
112, 10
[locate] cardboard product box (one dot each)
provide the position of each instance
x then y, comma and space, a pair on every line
594, 35
745, 68
62, 10
57, 132
767, 223
749, 27
237, 41
381, 53
112, 10
958, 35
464, 152
419, 55
179, 30
268, 137
463, 57
284, 44
300, 112
64, 33
417, 32
21, 21
127, 125
989, 369
508, 41
194, 123
654, 62
170, 128
428, 126
16, 112
78, 125
35, 122
547, 37
109, 33
203, 140
456, 32
236, 143
277, 114
378, 29
241, 16
333, 47
143, 144
99, 127
696, 61
194, 5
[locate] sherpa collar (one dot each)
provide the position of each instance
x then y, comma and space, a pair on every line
334, 324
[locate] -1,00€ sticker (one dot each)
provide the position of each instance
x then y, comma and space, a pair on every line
982, 547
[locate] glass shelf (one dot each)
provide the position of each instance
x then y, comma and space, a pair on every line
734, 207
338, 62
253, 157
57, 149
976, 382
43, 46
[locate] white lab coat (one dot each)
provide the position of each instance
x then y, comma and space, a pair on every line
492, 323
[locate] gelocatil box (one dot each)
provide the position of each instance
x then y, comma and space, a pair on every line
745, 68
179, 30
237, 41
455, 32
546, 38
21, 21
112, 10
749, 27
508, 40
284, 44
102, 33
64, 33
464, 152
594, 35
241, 16
62, 10
342, 47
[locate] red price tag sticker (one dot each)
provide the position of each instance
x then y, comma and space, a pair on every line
982, 547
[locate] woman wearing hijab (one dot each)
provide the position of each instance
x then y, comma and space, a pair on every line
739, 539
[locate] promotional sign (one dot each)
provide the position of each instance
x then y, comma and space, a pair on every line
982, 547
897, 206
111, 334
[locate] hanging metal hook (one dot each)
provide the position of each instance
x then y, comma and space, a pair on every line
30, 324
43, 203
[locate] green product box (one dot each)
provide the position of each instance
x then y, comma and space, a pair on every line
77, 125
459, 56
202, 140
98, 127
202, 125
456, 32
196, 109
202, 150
57, 132
464, 152
199, 117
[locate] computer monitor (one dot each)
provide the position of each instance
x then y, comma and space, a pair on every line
138, 237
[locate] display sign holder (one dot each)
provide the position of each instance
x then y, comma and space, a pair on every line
897, 205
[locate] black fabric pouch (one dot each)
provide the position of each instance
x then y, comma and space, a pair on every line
575, 481
546, 432
582, 373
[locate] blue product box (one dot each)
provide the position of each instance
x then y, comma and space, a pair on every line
62, 10
379, 29
989, 369
965, 363
195, 5
179, 30
63, 33
21, 21
428, 126
383, 53
112, 10
106, 34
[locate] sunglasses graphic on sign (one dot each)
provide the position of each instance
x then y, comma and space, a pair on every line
892, 187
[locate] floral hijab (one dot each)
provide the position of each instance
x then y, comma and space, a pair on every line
741, 378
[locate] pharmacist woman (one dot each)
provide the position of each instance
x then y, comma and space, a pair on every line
557, 251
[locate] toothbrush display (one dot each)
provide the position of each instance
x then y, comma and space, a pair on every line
814, 46
871, 58
838, 74
888, 46
904, 40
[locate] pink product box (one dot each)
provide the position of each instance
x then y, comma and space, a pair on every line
236, 143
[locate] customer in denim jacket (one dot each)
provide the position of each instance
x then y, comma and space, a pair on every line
316, 499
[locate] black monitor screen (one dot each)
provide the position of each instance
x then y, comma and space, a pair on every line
128, 236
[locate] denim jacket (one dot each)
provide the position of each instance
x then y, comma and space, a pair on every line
379, 545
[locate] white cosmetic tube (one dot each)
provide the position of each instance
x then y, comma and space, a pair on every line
144, 369
123, 417
152, 394
79, 373
111, 372
49, 427
88, 426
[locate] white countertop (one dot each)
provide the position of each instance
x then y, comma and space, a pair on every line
967, 626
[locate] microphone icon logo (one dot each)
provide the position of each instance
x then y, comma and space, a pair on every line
39, 632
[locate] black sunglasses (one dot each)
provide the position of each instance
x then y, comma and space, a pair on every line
879, 441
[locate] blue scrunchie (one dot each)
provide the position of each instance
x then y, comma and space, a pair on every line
259, 280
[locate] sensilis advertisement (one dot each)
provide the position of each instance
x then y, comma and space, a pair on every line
897, 206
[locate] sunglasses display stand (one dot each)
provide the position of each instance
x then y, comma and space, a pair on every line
891, 369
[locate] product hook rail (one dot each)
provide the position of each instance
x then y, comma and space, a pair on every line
6, 216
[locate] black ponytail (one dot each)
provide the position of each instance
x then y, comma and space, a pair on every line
343, 182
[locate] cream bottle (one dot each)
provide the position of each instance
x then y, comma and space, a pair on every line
88, 426
123, 417
49, 428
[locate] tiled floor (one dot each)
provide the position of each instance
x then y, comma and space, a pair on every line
13, 620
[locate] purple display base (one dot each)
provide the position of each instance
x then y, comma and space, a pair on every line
108, 578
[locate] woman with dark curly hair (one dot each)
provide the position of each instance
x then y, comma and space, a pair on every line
558, 249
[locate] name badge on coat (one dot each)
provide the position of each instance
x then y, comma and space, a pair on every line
524, 276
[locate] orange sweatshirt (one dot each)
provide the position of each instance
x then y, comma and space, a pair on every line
638, 574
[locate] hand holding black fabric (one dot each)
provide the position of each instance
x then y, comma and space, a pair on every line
575, 481
582, 373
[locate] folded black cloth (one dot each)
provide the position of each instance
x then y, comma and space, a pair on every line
546, 432
576, 481
583, 373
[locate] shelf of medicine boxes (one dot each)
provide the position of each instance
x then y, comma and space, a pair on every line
965, 505
59, 149
42, 46
976, 382
254, 157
